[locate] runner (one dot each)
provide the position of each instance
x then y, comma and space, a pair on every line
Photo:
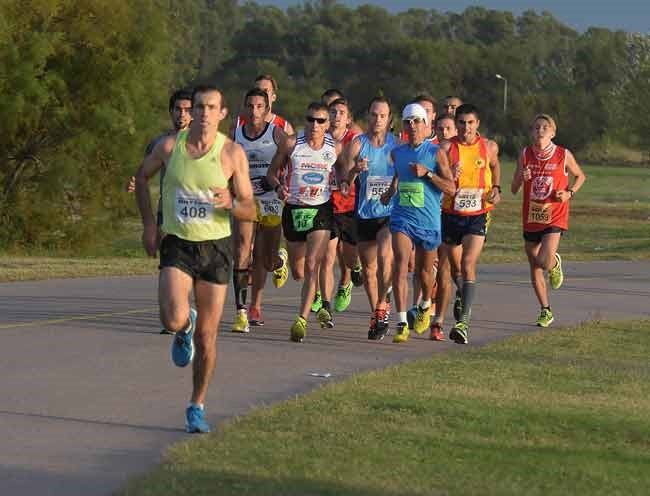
195, 253
258, 137
450, 104
421, 175
327, 98
430, 105
543, 168
445, 127
369, 168
475, 163
307, 217
343, 245
267, 83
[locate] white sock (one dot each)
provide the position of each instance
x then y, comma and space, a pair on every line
401, 316
426, 304
196, 405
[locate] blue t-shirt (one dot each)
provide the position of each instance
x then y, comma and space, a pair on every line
417, 200
373, 182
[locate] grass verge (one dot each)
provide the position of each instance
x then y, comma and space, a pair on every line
556, 412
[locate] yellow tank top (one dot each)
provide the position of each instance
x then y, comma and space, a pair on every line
188, 211
475, 179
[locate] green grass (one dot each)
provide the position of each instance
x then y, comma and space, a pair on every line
610, 220
556, 412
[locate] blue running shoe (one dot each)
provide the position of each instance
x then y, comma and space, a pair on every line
195, 420
183, 344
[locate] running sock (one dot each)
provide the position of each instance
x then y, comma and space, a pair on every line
546, 308
469, 288
425, 304
401, 317
458, 280
196, 405
326, 305
240, 283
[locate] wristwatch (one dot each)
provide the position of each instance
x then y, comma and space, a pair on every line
497, 187
429, 175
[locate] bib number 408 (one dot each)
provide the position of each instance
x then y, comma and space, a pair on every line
194, 212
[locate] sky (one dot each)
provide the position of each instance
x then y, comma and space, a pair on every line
628, 15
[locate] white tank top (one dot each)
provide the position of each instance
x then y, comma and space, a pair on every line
309, 172
260, 152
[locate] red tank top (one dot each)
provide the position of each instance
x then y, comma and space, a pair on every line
541, 209
343, 204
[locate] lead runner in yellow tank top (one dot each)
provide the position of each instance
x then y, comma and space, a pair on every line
202, 166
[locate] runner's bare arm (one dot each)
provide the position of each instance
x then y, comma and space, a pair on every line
443, 178
281, 157
234, 159
151, 164
494, 195
578, 178
518, 176
288, 128
388, 194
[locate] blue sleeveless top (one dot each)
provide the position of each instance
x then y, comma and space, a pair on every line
373, 182
417, 200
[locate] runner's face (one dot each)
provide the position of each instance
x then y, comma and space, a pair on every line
542, 133
451, 104
181, 114
467, 125
417, 130
315, 129
207, 111
446, 128
431, 114
378, 118
256, 109
339, 116
267, 86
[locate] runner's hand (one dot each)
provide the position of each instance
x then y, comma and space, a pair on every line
562, 195
344, 188
222, 198
418, 169
130, 186
282, 192
493, 196
526, 174
150, 239
386, 196
456, 170
360, 165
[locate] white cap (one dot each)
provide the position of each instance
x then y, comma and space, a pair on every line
413, 111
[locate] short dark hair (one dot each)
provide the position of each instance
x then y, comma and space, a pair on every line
332, 92
381, 99
468, 108
268, 77
426, 97
442, 117
257, 92
341, 101
207, 88
317, 106
182, 94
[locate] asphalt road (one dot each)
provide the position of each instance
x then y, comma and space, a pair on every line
89, 398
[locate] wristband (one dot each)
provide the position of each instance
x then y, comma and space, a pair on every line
570, 191
497, 187
276, 188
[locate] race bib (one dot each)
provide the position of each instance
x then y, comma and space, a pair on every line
376, 186
468, 200
411, 194
303, 218
540, 213
269, 206
194, 207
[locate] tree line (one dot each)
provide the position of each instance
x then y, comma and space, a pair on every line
85, 85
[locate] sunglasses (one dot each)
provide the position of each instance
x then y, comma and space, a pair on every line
320, 120
411, 122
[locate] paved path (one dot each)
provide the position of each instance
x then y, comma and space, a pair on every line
88, 396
